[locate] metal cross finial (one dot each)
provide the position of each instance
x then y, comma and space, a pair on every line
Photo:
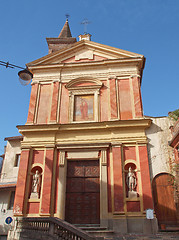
85, 22
67, 16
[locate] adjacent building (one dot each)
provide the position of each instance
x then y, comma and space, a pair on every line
8, 181
163, 172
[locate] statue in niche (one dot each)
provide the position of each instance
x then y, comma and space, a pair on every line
131, 181
35, 185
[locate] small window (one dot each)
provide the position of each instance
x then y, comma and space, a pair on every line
17, 160
11, 201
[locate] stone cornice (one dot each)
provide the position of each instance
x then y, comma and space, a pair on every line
124, 61
134, 123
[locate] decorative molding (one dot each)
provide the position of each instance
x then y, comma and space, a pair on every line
75, 90
72, 147
95, 83
85, 54
111, 77
104, 157
62, 158
116, 144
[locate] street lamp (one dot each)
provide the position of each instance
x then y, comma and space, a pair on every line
25, 75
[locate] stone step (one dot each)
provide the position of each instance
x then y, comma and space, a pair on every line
101, 233
96, 230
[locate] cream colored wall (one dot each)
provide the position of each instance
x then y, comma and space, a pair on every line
9, 172
4, 212
159, 151
8, 175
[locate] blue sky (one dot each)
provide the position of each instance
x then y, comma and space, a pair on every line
148, 27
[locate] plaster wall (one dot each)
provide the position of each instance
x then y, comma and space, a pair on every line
9, 172
4, 211
159, 152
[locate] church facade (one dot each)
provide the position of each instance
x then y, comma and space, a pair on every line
84, 152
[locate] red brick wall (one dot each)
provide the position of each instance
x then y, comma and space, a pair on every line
64, 105
21, 183
133, 206
47, 182
38, 156
145, 177
104, 102
137, 97
33, 208
32, 103
125, 99
113, 99
118, 185
53, 116
44, 104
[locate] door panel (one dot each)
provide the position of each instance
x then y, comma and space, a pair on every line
163, 193
82, 192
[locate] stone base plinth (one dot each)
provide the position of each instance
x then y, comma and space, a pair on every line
34, 195
134, 225
132, 195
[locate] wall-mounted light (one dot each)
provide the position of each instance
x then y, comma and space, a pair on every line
25, 75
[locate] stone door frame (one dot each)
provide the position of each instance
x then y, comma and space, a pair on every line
90, 152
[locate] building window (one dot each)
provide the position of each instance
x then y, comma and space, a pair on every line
17, 160
84, 99
11, 201
84, 108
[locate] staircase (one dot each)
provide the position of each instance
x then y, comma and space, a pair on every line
48, 228
96, 231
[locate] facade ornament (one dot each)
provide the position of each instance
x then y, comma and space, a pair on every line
131, 181
62, 158
35, 185
104, 157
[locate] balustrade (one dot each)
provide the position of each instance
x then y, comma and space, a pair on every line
47, 228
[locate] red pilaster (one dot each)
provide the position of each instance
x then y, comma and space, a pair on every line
137, 97
32, 103
53, 116
47, 183
125, 99
104, 103
145, 177
113, 99
21, 183
64, 105
118, 186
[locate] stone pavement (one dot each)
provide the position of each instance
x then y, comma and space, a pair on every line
133, 236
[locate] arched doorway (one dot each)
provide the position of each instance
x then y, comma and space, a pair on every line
163, 194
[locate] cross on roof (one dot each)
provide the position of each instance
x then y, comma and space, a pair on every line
85, 22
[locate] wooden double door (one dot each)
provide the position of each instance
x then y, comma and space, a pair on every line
164, 204
83, 192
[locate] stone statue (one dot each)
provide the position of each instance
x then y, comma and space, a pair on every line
35, 185
131, 183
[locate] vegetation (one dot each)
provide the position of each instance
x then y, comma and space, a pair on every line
174, 115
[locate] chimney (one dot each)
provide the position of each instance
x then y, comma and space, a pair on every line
85, 36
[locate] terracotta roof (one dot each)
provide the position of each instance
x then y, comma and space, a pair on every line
65, 32
7, 185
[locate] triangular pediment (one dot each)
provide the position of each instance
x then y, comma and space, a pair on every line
84, 51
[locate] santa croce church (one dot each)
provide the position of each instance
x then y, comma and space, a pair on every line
84, 150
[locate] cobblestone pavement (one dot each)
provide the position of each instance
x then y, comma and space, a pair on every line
163, 235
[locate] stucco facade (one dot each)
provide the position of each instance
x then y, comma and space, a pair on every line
84, 135
8, 181
159, 151
163, 173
